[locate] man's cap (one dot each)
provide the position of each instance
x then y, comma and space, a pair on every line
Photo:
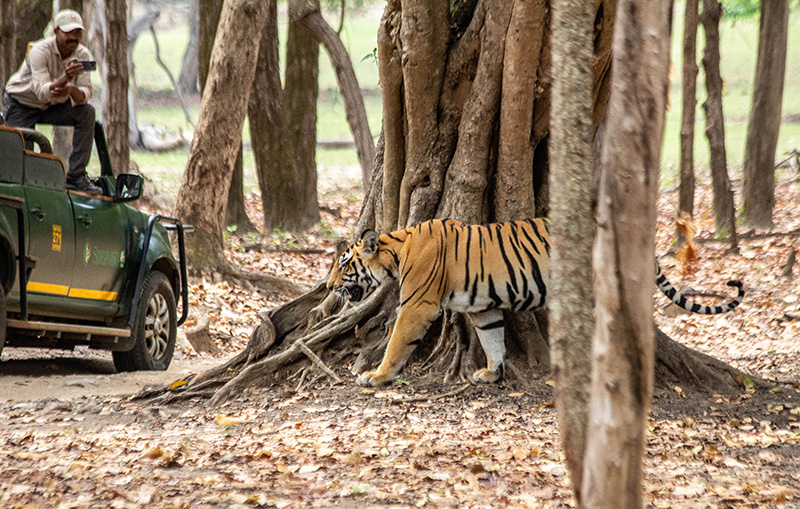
68, 20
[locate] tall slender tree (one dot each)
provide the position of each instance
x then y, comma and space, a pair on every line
623, 349
724, 209
689, 89
572, 212
758, 184
116, 113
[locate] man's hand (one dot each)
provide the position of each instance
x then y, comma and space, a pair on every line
74, 68
58, 88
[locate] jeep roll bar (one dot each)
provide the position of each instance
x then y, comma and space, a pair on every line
173, 224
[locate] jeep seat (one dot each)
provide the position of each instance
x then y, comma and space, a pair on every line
12, 148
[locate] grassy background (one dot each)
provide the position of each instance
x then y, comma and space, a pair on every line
739, 48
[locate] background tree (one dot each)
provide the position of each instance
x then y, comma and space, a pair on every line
189, 77
207, 179
288, 164
31, 19
573, 227
689, 94
758, 184
724, 208
8, 41
115, 112
209, 12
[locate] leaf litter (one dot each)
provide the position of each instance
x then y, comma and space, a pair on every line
497, 446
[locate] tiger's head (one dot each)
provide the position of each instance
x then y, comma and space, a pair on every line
352, 276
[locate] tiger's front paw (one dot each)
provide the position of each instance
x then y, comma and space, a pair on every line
487, 376
373, 379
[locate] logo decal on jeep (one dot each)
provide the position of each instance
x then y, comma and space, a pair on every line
57, 238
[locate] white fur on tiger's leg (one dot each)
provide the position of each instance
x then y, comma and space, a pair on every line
491, 333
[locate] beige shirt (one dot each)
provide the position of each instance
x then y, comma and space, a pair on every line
43, 64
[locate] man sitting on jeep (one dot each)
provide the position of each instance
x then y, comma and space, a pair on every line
51, 87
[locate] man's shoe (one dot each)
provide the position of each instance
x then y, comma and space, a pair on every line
83, 184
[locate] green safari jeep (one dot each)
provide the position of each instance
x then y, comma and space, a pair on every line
81, 269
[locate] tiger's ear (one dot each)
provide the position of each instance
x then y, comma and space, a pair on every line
369, 240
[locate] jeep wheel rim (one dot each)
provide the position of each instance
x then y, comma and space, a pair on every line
156, 330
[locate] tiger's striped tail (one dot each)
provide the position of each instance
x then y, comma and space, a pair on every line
676, 297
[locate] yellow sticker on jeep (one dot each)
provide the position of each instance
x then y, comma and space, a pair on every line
57, 238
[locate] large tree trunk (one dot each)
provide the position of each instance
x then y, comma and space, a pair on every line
724, 209
210, 11
203, 192
572, 213
623, 347
758, 184
686, 189
116, 112
8, 42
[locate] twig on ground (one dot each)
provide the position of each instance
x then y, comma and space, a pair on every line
419, 399
318, 362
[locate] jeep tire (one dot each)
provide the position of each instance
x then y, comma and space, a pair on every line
154, 328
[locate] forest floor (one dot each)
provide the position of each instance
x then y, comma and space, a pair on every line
418, 442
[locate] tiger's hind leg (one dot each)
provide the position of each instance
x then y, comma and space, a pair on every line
491, 333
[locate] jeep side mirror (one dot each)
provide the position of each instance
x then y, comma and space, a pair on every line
129, 187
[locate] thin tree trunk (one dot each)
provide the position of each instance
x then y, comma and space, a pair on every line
235, 211
116, 112
208, 12
724, 211
264, 112
31, 19
570, 298
8, 42
623, 346
758, 184
348, 88
686, 188
204, 189
187, 81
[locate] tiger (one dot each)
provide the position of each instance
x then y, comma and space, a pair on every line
474, 269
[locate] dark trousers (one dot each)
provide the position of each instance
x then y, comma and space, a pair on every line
81, 117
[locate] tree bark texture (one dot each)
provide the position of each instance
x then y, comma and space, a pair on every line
293, 187
8, 42
31, 20
758, 184
204, 189
687, 183
116, 113
208, 12
724, 209
188, 79
348, 88
623, 347
444, 89
264, 111
570, 299
235, 211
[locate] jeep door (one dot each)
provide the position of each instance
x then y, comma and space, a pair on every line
102, 251
51, 234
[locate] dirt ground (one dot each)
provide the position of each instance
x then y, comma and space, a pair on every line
71, 436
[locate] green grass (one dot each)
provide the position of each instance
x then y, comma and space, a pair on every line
738, 50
